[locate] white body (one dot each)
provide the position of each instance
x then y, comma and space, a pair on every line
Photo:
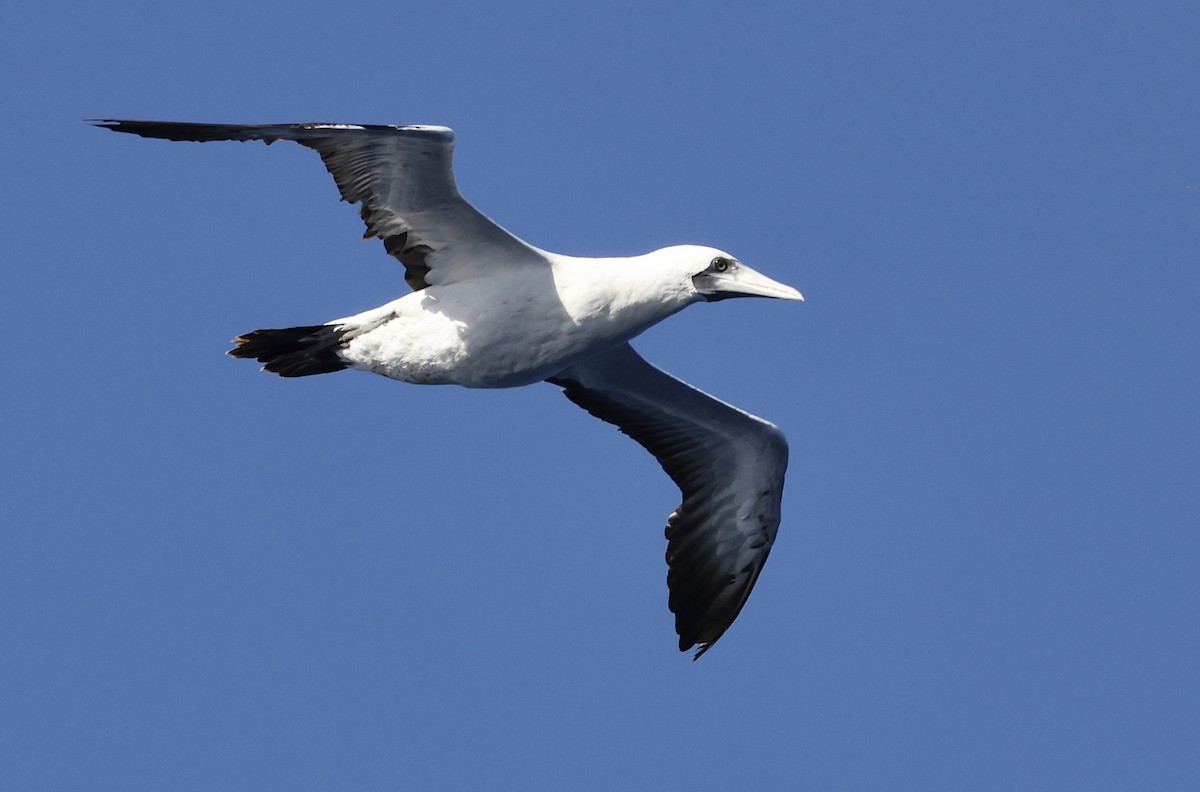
520, 326
491, 311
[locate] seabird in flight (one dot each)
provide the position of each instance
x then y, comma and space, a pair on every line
488, 310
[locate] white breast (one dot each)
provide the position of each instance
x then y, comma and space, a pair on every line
504, 331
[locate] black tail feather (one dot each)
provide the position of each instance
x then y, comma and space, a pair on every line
293, 351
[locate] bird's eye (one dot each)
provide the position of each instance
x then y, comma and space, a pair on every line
720, 264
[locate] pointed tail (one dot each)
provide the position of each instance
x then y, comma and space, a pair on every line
293, 351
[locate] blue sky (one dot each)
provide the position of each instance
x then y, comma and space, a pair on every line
211, 578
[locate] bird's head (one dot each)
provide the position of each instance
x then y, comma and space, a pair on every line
715, 275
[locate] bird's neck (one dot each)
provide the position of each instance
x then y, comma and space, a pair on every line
619, 296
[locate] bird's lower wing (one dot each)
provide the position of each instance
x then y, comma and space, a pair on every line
728, 464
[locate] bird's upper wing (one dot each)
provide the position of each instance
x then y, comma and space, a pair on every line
403, 177
728, 464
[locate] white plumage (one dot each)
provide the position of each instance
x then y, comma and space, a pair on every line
490, 311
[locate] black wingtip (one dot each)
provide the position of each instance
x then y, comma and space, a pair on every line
176, 130
143, 128
116, 124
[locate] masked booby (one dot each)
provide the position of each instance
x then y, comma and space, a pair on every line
489, 310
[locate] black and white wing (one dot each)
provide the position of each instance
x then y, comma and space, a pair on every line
403, 178
728, 464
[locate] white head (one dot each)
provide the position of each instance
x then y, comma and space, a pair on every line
709, 274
